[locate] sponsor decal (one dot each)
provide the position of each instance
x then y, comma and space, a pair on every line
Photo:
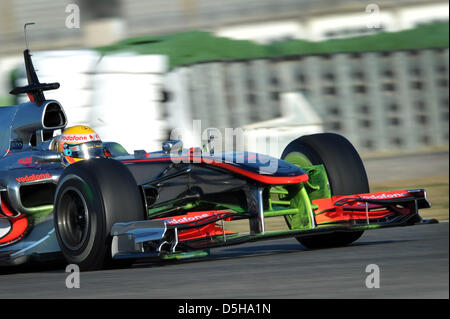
385, 196
74, 138
80, 137
185, 219
25, 161
34, 177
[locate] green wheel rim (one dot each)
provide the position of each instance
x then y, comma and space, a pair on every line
298, 159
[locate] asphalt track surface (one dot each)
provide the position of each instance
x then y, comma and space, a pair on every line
413, 263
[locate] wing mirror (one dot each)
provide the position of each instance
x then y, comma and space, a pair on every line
172, 146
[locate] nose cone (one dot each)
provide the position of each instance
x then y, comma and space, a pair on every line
261, 164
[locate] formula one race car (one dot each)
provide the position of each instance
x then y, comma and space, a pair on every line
172, 203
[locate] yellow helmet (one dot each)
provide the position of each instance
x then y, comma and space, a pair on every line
79, 143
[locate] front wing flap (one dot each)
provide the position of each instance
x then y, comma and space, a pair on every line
380, 208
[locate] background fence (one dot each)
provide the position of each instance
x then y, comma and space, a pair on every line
380, 101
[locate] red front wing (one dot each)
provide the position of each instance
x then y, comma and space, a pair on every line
370, 207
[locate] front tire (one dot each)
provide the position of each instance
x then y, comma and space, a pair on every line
345, 171
91, 196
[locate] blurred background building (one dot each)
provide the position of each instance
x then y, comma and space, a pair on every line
390, 99
105, 21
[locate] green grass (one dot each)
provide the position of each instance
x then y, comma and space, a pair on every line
429, 36
189, 47
5, 101
196, 46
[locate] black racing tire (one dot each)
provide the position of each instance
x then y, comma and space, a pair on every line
346, 176
90, 197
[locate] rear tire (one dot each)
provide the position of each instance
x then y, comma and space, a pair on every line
91, 196
345, 171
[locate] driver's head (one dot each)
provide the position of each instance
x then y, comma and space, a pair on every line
79, 143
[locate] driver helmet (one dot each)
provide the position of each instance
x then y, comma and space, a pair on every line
79, 143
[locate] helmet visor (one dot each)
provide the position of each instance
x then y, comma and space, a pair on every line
86, 150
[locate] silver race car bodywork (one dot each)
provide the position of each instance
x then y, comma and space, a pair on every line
173, 203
